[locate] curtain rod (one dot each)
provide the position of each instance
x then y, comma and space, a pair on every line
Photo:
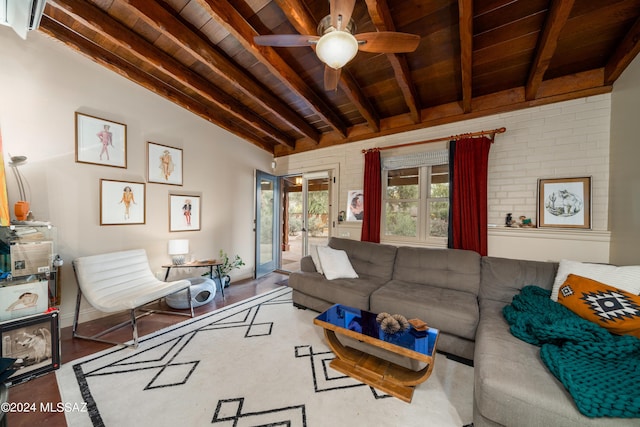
446, 138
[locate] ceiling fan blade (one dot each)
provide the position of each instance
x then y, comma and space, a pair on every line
331, 78
286, 40
341, 11
387, 42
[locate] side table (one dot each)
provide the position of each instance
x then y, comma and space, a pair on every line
209, 263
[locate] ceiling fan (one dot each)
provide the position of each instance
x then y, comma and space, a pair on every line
336, 43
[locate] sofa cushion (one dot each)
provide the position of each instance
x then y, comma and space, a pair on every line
626, 278
351, 292
613, 309
452, 311
512, 384
368, 259
444, 268
502, 278
313, 252
335, 264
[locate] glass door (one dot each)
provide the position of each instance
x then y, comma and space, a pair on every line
267, 223
306, 215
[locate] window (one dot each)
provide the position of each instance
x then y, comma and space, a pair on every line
416, 201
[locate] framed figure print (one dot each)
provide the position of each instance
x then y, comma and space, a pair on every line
100, 141
184, 212
164, 164
564, 202
355, 205
122, 202
25, 299
34, 343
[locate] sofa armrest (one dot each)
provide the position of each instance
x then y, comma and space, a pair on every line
307, 265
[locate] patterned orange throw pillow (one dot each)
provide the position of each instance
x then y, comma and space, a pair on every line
612, 308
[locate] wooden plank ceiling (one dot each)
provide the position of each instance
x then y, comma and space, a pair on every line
474, 58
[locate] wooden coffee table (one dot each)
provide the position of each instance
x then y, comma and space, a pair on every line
361, 325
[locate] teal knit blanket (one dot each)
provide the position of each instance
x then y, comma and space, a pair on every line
600, 370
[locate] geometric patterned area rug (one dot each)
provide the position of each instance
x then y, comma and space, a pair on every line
259, 362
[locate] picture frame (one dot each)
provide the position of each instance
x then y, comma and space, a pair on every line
31, 258
34, 342
100, 141
23, 299
355, 205
122, 202
564, 203
184, 212
164, 164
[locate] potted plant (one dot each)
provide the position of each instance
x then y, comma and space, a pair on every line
227, 264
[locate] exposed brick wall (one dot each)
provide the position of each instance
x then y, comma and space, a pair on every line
567, 139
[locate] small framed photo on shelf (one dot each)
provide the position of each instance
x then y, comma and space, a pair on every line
100, 141
164, 164
184, 212
122, 202
564, 202
34, 342
24, 299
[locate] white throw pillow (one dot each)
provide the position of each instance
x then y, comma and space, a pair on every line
626, 278
335, 264
313, 251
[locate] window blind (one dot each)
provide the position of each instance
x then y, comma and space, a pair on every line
427, 158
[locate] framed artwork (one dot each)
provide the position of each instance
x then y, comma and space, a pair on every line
122, 202
100, 141
25, 299
184, 212
34, 342
564, 202
164, 164
355, 205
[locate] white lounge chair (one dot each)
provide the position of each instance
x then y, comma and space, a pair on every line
118, 281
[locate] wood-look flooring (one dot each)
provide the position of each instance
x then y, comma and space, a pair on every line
45, 389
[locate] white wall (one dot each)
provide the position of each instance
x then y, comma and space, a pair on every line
567, 139
42, 84
624, 208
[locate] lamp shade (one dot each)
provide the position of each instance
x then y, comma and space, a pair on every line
336, 48
178, 248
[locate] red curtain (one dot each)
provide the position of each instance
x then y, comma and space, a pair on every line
469, 207
372, 197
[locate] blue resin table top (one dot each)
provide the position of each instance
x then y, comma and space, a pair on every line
365, 323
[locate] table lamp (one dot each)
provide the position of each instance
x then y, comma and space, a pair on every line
178, 248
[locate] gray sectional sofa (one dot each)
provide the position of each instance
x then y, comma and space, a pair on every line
462, 294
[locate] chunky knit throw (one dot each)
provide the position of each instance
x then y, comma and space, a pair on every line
600, 370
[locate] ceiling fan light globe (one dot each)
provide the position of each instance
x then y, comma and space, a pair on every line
337, 48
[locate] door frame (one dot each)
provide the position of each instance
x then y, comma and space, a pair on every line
263, 269
333, 169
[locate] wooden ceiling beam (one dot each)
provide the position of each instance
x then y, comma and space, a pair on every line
163, 21
624, 54
383, 21
229, 18
303, 22
465, 17
547, 44
98, 54
96, 20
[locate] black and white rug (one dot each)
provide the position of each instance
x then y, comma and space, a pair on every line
260, 362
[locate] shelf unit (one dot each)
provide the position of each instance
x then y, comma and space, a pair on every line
29, 296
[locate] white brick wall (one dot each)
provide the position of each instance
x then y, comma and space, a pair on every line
561, 140
567, 139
